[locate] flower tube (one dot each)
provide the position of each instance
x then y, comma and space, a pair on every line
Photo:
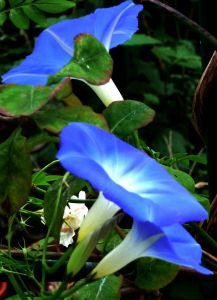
126, 176
54, 47
173, 244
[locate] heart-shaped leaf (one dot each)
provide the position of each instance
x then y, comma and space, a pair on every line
91, 62
124, 117
22, 100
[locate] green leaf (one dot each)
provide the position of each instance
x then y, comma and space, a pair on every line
2, 4
124, 117
182, 55
36, 201
15, 176
42, 179
54, 6
22, 100
19, 19
111, 241
3, 18
142, 39
91, 62
35, 15
107, 288
87, 245
41, 138
54, 120
153, 274
183, 178
14, 3
54, 206
151, 99
204, 201
199, 158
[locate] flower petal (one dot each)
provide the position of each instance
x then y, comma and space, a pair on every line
177, 246
128, 177
54, 46
173, 244
115, 25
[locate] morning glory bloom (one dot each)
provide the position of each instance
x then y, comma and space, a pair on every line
54, 47
126, 177
173, 244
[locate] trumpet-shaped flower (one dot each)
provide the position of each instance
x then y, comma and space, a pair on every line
172, 243
54, 47
126, 176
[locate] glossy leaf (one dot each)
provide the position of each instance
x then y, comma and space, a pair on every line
19, 19
15, 176
54, 6
107, 288
153, 274
22, 100
54, 120
35, 15
183, 178
124, 117
91, 62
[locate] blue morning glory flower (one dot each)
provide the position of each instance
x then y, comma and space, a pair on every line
54, 46
125, 176
173, 244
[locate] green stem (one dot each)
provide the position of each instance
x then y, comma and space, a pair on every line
11, 222
203, 33
67, 253
137, 140
41, 191
16, 286
63, 258
45, 267
45, 168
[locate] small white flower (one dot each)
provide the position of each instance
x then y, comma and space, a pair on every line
73, 217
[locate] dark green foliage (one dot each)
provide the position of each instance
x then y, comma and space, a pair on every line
15, 177
20, 12
153, 274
